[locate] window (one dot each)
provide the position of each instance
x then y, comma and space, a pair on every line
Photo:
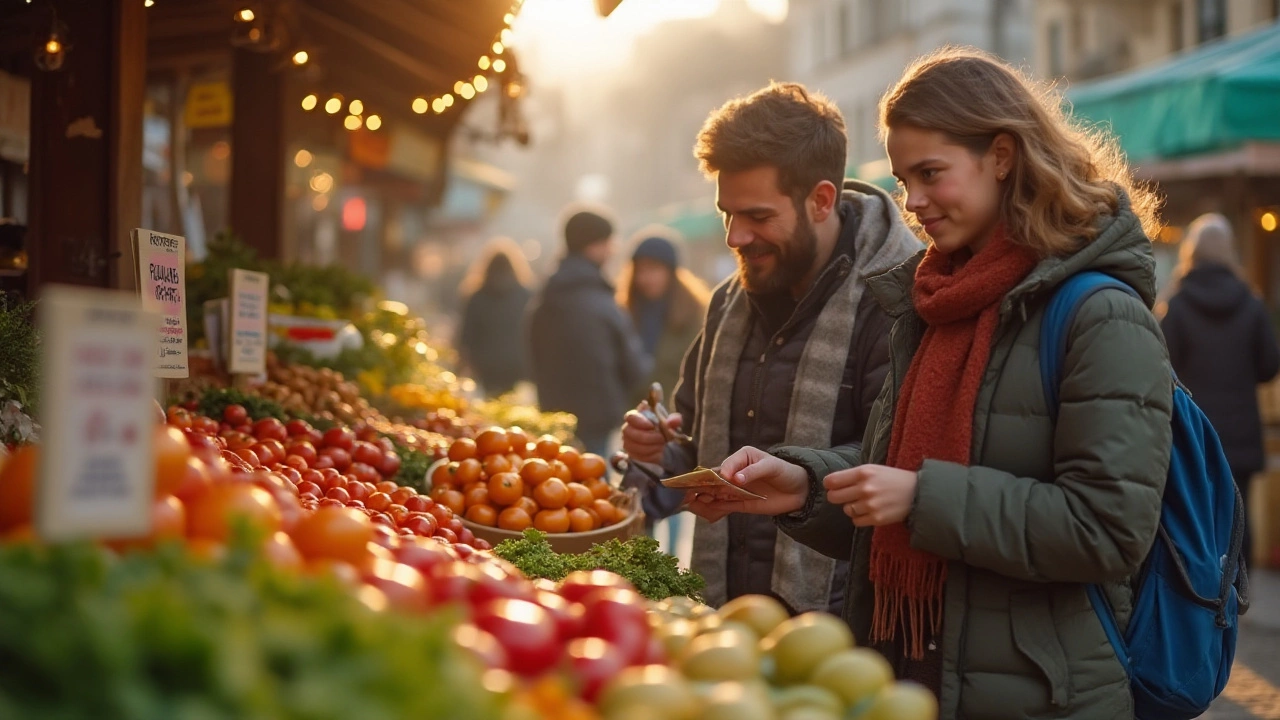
1213, 19
1177, 28
1057, 52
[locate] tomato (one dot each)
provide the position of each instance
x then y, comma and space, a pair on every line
340, 458
211, 515
399, 513
465, 536
482, 544
402, 494
482, 645
206, 447
594, 663
168, 518
270, 429
308, 488
179, 418
421, 524
447, 534
296, 463
358, 491
379, 501
298, 428
567, 614
205, 425
364, 473
390, 464
171, 450
525, 630
404, 586
323, 462
280, 551
235, 415
618, 616
367, 453
334, 533
424, 555
340, 437
419, 503
195, 479
303, 449
386, 486
334, 481
266, 454
249, 456
451, 582
381, 518
339, 494
576, 586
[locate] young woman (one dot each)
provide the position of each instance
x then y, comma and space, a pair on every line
666, 303
972, 520
490, 340
1222, 345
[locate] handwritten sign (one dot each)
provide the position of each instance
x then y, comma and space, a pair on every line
97, 480
248, 323
163, 282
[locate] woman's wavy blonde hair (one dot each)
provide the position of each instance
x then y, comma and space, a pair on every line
1065, 175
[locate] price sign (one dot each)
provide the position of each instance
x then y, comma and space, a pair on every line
163, 282
248, 329
96, 478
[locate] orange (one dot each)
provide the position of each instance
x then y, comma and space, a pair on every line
581, 521
527, 504
570, 456
607, 512
590, 466
171, 450
453, 500
469, 471
478, 495
579, 495
534, 471
213, 514
17, 486
492, 442
444, 476
562, 471
462, 449
514, 518
551, 495
519, 440
599, 488
496, 464
548, 448
482, 515
334, 533
506, 488
552, 521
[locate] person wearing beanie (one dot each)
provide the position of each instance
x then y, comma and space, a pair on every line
586, 356
666, 303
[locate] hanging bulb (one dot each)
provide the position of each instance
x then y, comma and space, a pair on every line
301, 57
245, 15
52, 53
420, 105
499, 65
309, 102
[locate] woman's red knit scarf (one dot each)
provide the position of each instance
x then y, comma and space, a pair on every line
934, 419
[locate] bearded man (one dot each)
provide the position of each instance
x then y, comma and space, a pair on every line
791, 350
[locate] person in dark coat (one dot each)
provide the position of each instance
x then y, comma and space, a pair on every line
490, 340
1222, 345
586, 354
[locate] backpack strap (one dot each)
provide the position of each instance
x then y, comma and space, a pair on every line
1055, 326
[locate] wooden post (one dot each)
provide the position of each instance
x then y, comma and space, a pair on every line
257, 152
86, 149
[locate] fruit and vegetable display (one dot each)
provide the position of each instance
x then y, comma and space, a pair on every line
502, 479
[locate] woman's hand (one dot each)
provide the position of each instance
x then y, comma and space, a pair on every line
784, 486
873, 494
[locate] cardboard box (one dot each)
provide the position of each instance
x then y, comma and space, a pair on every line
577, 543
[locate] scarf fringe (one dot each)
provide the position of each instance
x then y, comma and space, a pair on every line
912, 597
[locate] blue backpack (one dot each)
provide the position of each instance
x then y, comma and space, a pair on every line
1181, 638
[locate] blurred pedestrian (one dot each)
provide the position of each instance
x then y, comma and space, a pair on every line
794, 346
586, 356
1222, 346
666, 303
497, 291
975, 521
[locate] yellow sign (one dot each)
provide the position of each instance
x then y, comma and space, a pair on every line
209, 105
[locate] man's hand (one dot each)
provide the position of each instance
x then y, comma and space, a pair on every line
784, 486
641, 439
873, 494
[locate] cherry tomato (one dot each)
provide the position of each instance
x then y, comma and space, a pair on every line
297, 428
303, 449
340, 458
390, 464
235, 415
270, 429
367, 453
340, 437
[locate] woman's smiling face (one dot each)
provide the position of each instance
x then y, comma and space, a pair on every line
953, 192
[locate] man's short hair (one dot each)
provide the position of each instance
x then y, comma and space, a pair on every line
585, 228
799, 132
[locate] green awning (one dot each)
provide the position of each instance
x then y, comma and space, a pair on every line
1217, 97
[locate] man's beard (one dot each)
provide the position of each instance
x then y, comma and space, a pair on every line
794, 261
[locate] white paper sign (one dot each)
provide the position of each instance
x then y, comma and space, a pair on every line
248, 322
163, 281
97, 473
